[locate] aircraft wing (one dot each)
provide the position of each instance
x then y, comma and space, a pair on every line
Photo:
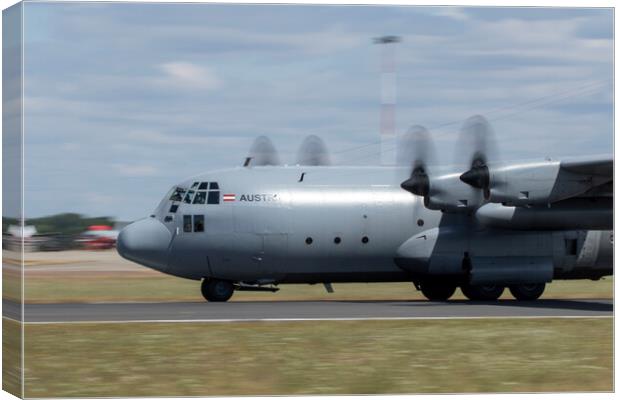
602, 166
547, 182
574, 193
518, 184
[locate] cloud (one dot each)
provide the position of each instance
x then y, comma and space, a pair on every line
70, 146
134, 170
99, 199
147, 137
187, 75
455, 13
325, 41
253, 39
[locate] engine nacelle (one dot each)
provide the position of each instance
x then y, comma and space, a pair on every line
448, 193
535, 183
522, 184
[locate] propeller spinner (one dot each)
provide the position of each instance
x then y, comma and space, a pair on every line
477, 135
416, 148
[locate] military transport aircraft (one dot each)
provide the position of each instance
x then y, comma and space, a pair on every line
478, 225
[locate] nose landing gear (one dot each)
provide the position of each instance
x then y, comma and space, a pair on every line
215, 290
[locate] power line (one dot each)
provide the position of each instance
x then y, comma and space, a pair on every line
556, 97
582, 90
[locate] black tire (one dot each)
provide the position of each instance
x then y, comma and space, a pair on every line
437, 291
482, 292
215, 290
530, 291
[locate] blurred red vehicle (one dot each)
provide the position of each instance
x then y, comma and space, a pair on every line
98, 237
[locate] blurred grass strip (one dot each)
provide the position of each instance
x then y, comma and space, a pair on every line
11, 357
329, 357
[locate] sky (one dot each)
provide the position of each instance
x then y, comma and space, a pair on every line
123, 100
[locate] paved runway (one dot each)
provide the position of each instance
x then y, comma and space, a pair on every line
303, 310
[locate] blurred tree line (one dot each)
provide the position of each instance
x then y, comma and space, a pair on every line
66, 224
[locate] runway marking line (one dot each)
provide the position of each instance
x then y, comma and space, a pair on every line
153, 321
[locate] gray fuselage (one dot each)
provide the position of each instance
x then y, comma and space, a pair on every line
302, 224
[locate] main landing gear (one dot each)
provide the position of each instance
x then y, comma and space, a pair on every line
482, 292
527, 292
215, 290
437, 290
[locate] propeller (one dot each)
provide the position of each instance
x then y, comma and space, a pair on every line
313, 152
477, 142
447, 191
416, 148
262, 153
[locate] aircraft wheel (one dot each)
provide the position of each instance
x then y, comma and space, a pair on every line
215, 290
482, 292
530, 291
437, 291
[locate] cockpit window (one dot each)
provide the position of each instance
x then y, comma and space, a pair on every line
201, 193
174, 208
214, 197
188, 197
206, 192
200, 197
177, 195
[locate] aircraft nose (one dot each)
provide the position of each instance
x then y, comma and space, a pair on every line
145, 242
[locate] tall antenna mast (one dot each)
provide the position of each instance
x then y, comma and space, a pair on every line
387, 124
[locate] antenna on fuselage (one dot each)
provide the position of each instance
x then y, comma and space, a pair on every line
247, 161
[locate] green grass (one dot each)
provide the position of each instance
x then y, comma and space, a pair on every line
260, 358
11, 357
11, 275
11, 286
160, 287
89, 288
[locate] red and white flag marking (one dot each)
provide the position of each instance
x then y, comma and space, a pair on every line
228, 197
